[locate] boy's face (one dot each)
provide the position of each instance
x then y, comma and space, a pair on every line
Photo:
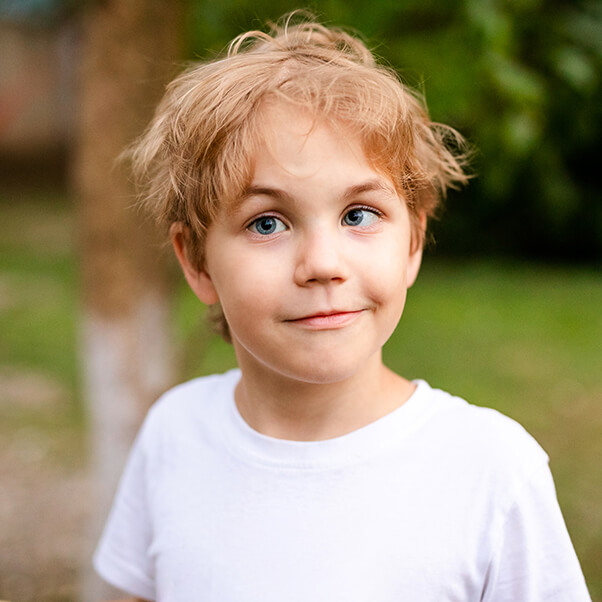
312, 266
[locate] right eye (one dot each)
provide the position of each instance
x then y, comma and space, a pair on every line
266, 225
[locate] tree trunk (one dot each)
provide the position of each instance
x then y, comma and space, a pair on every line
129, 50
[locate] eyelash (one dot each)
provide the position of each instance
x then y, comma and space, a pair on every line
368, 209
365, 208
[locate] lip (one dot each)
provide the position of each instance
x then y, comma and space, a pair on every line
330, 320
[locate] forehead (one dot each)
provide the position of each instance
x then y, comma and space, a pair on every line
292, 148
299, 145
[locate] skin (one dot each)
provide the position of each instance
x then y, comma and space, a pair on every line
311, 268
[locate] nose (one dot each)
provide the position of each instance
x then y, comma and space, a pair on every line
320, 258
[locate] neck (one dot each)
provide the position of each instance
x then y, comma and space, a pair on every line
285, 408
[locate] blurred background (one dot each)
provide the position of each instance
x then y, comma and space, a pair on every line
95, 321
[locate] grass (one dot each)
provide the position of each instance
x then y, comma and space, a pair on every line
38, 309
524, 339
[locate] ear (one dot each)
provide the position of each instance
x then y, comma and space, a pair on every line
415, 257
198, 279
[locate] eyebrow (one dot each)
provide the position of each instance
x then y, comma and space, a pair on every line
275, 193
374, 185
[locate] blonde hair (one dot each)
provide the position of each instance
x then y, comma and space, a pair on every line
198, 151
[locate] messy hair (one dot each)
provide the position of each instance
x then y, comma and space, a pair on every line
197, 154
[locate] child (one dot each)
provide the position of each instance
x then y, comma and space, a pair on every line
296, 177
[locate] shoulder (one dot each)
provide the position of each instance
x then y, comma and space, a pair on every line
482, 439
190, 405
469, 424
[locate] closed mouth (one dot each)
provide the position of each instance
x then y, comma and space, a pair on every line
328, 320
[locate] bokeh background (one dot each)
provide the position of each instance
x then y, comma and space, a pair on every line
95, 321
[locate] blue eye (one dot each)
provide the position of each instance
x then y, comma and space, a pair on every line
360, 217
267, 225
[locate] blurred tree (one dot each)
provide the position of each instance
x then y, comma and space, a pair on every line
129, 50
520, 78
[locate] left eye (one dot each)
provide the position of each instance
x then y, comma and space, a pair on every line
267, 225
360, 217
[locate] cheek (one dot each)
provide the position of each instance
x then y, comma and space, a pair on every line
386, 273
245, 287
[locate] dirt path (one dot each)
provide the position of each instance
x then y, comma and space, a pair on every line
44, 505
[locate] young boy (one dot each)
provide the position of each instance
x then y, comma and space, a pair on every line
296, 177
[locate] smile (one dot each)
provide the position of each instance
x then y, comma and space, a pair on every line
327, 321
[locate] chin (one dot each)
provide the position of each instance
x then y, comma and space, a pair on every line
320, 373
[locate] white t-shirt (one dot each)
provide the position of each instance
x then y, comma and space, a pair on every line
438, 501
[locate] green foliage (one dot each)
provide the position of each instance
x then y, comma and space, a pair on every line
520, 78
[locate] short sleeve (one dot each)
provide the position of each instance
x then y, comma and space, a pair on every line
535, 560
122, 556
